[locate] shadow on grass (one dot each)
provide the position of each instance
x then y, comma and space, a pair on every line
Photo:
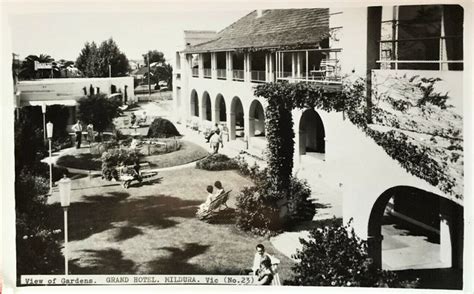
99, 213
146, 182
438, 278
125, 233
106, 261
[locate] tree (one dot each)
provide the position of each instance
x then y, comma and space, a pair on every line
98, 110
94, 61
155, 56
164, 73
28, 72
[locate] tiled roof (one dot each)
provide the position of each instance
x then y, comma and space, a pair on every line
274, 29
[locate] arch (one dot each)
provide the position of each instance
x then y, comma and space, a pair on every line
220, 109
256, 119
406, 210
194, 103
312, 134
236, 118
206, 109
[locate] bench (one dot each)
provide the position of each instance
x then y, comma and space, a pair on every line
214, 206
127, 179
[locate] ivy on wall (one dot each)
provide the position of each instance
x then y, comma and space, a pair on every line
417, 159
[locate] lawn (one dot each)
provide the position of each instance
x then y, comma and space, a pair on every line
152, 229
189, 152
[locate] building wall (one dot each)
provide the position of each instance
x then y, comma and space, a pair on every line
66, 91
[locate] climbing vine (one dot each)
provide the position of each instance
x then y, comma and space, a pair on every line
420, 160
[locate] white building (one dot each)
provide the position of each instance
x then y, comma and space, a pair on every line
214, 83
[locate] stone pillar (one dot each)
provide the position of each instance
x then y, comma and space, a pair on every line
229, 65
213, 65
293, 65
246, 67
445, 252
375, 249
231, 125
251, 127
201, 65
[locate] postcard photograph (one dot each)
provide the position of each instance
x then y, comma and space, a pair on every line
209, 144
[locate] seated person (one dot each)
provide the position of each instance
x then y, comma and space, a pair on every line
265, 273
259, 256
219, 188
205, 206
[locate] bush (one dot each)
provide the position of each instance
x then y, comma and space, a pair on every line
216, 162
162, 128
300, 208
256, 213
111, 159
335, 256
61, 143
37, 250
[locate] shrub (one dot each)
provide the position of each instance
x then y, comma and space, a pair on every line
217, 162
112, 158
335, 256
61, 143
37, 250
257, 213
162, 128
290, 210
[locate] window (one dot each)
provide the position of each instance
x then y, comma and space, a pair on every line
424, 37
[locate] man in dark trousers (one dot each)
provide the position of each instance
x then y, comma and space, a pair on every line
77, 128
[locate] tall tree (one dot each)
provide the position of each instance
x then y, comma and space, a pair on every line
98, 110
94, 61
155, 56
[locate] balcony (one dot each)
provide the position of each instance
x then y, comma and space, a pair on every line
257, 76
238, 75
221, 74
312, 65
195, 72
207, 73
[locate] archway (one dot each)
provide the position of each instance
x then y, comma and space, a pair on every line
311, 133
206, 107
220, 111
410, 228
194, 104
256, 119
236, 118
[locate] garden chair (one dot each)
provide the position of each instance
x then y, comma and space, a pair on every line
214, 206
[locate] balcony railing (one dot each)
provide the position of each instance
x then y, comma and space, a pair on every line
257, 76
238, 75
195, 72
207, 73
221, 74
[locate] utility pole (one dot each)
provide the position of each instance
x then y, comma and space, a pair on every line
110, 71
149, 73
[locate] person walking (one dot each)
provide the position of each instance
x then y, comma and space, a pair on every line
77, 128
90, 133
215, 141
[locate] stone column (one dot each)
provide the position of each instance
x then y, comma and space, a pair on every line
213, 65
229, 65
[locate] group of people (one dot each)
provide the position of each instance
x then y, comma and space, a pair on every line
215, 138
211, 195
262, 266
77, 129
133, 118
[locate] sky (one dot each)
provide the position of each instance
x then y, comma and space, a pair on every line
62, 33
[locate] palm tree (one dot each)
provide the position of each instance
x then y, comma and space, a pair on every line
28, 66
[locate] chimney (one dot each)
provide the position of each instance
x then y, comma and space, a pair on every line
259, 13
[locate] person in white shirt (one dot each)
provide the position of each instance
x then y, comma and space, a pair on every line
215, 141
259, 256
77, 128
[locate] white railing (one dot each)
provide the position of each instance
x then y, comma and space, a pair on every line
257, 76
238, 75
207, 73
221, 74
195, 72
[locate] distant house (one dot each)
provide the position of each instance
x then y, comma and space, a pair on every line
214, 81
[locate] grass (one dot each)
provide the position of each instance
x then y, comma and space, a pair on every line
189, 152
85, 161
152, 229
